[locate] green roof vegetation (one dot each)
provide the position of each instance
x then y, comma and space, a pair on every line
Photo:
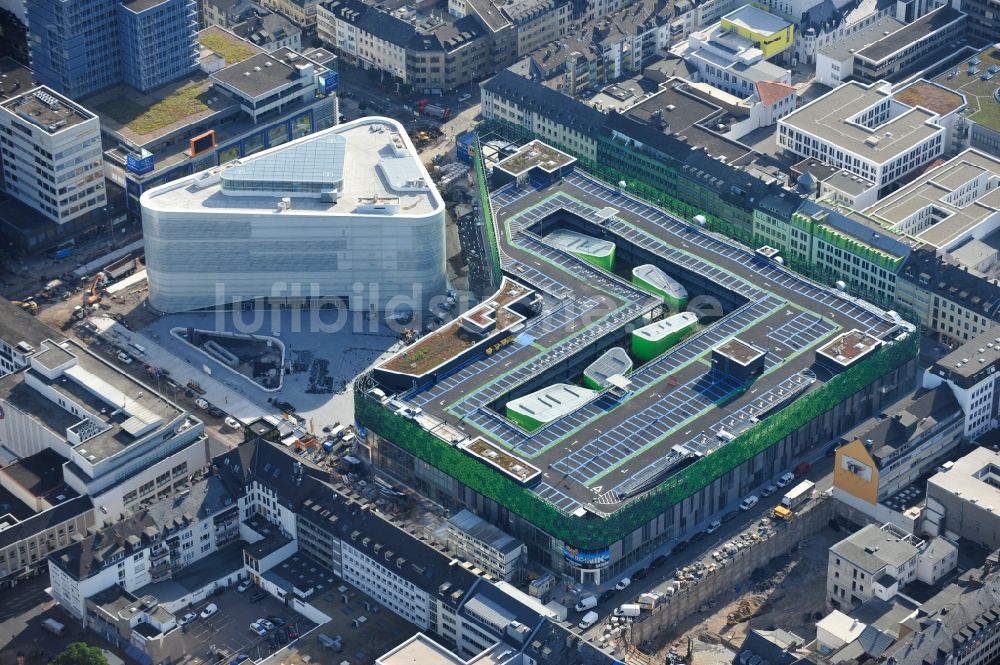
486, 210
593, 532
232, 49
983, 106
178, 105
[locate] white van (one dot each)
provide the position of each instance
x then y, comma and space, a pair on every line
786, 479
588, 620
137, 348
54, 627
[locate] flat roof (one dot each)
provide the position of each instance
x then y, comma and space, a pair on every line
967, 78
874, 547
829, 118
378, 160
260, 74
572, 241
15, 78
142, 5
845, 47
590, 452
421, 650
535, 154
756, 20
128, 409
47, 110
968, 477
739, 351
933, 192
912, 33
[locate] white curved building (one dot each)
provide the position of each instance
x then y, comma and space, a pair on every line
349, 213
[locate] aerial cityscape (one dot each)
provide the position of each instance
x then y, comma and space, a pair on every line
499, 332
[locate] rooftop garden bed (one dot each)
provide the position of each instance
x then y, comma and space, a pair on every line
180, 104
515, 467
233, 50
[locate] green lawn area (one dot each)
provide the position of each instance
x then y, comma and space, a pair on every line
181, 104
230, 49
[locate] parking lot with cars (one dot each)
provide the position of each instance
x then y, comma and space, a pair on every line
230, 629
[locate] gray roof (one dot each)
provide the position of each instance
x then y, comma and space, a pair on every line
911, 33
871, 549
85, 558
869, 233
926, 269
845, 47
67, 510
254, 77
549, 103
906, 422
203, 498
485, 532
964, 362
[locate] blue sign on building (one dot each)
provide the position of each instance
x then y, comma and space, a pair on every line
331, 80
142, 164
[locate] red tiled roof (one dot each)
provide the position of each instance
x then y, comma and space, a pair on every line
772, 92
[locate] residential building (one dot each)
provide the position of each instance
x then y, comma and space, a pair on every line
879, 561
123, 445
430, 53
112, 580
363, 180
517, 28
81, 46
728, 54
302, 12
863, 131
270, 31
971, 77
474, 539
889, 49
236, 109
51, 150
970, 371
832, 245
961, 499
824, 24
452, 602
887, 454
952, 303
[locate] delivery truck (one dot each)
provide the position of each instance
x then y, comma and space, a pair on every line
795, 498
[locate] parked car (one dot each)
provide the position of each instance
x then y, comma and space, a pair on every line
210, 610
730, 516
605, 595
267, 624
201, 403
259, 629
282, 636
786, 479
713, 527
623, 584
464, 97
658, 561
276, 620
124, 357
680, 547
769, 489
639, 574
216, 412
244, 586
231, 422
698, 536
187, 618
257, 597
292, 633
749, 502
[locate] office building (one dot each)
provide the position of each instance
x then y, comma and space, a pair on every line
123, 444
984, 23
51, 149
962, 499
861, 130
879, 561
225, 111
970, 372
81, 46
490, 549
889, 49
881, 458
348, 191
157, 41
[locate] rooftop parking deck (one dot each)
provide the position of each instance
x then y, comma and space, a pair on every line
676, 402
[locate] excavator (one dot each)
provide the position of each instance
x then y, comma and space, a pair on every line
29, 306
92, 295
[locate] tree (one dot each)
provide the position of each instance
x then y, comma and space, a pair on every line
78, 653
